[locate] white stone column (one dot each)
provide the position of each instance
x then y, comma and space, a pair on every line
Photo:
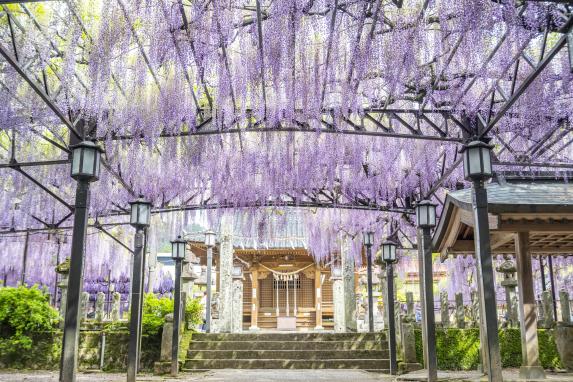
237, 305
338, 302
349, 289
225, 274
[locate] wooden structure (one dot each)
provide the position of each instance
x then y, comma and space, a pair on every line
526, 218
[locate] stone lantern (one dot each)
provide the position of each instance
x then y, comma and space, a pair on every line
509, 282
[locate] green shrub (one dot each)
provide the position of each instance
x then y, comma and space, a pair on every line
154, 311
458, 349
193, 311
25, 316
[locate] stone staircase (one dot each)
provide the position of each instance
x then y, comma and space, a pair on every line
366, 351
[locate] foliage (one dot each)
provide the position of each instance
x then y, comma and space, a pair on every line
193, 311
24, 314
458, 349
154, 311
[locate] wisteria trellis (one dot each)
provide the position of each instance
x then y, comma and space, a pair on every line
361, 104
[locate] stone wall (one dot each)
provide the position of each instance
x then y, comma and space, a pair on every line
45, 352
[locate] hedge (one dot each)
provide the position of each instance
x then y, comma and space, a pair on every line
458, 349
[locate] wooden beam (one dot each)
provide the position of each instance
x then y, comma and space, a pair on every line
254, 299
467, 218
538, 225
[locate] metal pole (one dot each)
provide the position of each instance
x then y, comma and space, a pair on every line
487, 281
176, 319
134, 320
542, 271
208, 303
141, 294
427, 299
370, 300
69, 357
552, 281
391, 318
25, 258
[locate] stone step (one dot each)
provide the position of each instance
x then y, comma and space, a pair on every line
297, 336
367, 364
287, 345
288, 354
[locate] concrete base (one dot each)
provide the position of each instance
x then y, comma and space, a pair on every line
405, 367
161, 368
318, 329
254, 329
531, 373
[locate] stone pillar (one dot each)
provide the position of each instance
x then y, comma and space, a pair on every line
100, 307
410, 311
444, 309
509, 283
254, 299
237, 312
565, 307
530, 368
152, 265
349, 288
63, 269
547, 302
338, 301
460, 311
116, 306
167, 338
225, 279
474, 309
85, 305
318, 297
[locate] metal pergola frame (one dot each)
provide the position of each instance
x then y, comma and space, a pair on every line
431, 125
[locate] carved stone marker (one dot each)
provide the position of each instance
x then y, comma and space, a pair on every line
167, 338
565, 307
410, 312
100, 307
63, 269
85, 304
444, 309
116, 307
474, 309
547, 302
460, 311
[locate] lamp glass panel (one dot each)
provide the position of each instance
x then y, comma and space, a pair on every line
422, 215
174, 250
98, 158
466, 165
88, 163
486, 155
133, 219
336, 272
432, 215
475, 161
237, 271
76, 160
143, 213
181, 251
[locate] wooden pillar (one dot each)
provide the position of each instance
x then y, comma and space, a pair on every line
530, 368
318, 297
254, 299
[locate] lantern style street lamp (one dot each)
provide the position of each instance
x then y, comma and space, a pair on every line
426, 220
178, 254
209, 243
477, 169
85, 169
389, 257
368, 241
140, 217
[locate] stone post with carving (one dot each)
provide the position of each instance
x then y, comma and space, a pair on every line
63, 269
444, 309
85, 305
348, 283
237, 304
116, 306
100, 307
565, 307
460, 311
225, 274
547, 302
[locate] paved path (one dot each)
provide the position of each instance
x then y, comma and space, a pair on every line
269, 376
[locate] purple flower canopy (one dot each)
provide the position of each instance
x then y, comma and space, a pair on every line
209, 104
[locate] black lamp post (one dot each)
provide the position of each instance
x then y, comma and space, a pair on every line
178, 254
210, 243
477, 168
368, 241
426, 220
140, 217
85, 169
389, 257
